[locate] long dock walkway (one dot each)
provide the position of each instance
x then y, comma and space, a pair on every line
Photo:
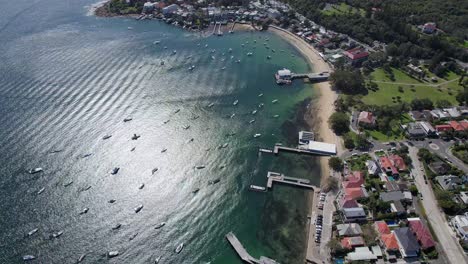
277, 149
281, 178
243, 254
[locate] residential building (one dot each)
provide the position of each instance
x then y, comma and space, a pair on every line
355, 214
361, 254
387, 166
349, 230
397, 207
398, 162
407, 243
347, 202
366, 118
170, 9
415, 130
389, 242
449, 182
372, 167
463, 197
424, 115
428, 128
355, 193
355, 180
459, 126
439, 167
352, 242
443, 128
460, 223
421, 232
356, 56
392, 196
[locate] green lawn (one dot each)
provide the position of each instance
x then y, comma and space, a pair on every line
388, 93
343, 9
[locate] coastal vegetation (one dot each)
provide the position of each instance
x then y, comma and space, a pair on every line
339, 122
335, 163
461, 151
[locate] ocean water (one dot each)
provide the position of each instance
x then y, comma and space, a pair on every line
67, 79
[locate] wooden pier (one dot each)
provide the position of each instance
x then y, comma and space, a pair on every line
243, 254
281, 178
232, 27
277, 149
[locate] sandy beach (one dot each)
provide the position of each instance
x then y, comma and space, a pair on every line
324, 107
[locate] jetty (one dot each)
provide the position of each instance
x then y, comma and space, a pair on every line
243, 254
316, 150
232, 27
285, 76
273, 177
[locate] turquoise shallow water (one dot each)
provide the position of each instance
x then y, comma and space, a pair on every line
68, 79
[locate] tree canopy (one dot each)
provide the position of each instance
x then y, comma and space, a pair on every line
339, 122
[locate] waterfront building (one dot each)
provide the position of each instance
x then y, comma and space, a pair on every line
170, 9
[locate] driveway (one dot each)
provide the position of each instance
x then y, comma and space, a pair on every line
447, 238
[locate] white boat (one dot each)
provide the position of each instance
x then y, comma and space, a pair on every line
32, 232
206, 45
211, 105
41, 190
58, 234
28, 257
275, 101
81, 258
179, 248
261, 105
251, 121
200, 167
260, 95
229, 50
223, 68
157, 42
191, 68
35, 170
162, 62
257, 135
160, 225
249, 53
84, 211
141, 186
154, 170
268, 57
129, 28
224, 145
213, 51
276, 116
174, 51
242, 44
235, 102
115, 170
177, 111
238, 61
257, 188
254, 112
138, 208
232, 57
165, 47
112, 254
212, 57
156, 261
232, 116
186, 127
106, 137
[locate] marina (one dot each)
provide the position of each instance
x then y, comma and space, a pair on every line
286, 76
273, 177
243, 254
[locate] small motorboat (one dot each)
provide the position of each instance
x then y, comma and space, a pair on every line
206, 45
167, 121
223, 68
112, 254
156, 261
177, 111
257, 188
249, 54
269, 57
162, 63
138, 208
232, 116
128, 119
179, 248
157, 42
257, 135
35, 170
254, 112
67, 184
129, 28
58, 234
229, 50
81, 258
84, 211
87, 155
251, 121
191, 68
132, 149
111, 201
117, 226
141, 186
211, 105
190, 140
238, 61
154, 170
41, 190
160, 225
224, 145
186, 127
174, 51
135, 137
212, 57
163, 150
214, 181
132, 237
28, 257
196, 190
260, 95
235, 102
32, 232
199, 167
275, 101
115, 170
106, 137
55, 151
276, 116
261, 105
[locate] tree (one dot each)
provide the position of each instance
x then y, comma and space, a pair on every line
332, 184
361, 142
413, 189
422, 104
348, 142
462, 96
335, 164
425, 155
339, 122
348, 82
443, 103
335, 247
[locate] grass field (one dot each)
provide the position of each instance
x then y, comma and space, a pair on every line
411, 88
342, 9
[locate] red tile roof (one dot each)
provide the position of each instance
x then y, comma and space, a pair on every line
353, 193
398, 162
464, 124
350, 242
390, 241
356, 53
354, 180
441, 128
366, 117
422, 233
382, 227
387, 165
348, 202
456, 126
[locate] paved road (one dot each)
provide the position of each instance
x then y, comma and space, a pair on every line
444, 233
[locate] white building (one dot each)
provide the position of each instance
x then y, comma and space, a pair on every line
464, 197
305, 137
170, 9
284, 74
460, 223
322, 148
